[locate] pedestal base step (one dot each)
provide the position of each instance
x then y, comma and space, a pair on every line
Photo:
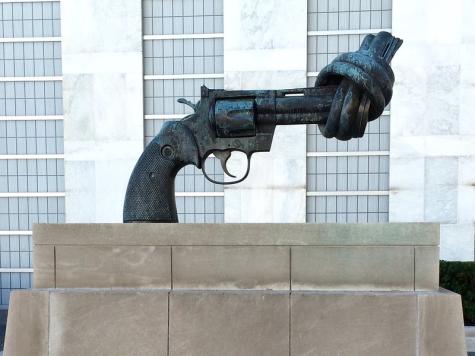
103, 322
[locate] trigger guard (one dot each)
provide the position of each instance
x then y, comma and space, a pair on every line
227, 183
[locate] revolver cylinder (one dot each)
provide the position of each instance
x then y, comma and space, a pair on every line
238, 117
235, 117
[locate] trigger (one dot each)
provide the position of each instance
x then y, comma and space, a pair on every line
223, 158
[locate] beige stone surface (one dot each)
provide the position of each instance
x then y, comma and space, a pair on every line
229, 323
231, 267
353, 268
237, 256
352, 324
116, 322
113, 267
441, 325
44, 266
426, 268
407, 234
27, 326
105, 323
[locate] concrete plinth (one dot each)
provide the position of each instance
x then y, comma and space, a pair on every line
235, 289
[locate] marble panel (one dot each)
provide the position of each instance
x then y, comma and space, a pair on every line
103, 323
229, 323
431, 117
353, 268
441, 325
44, 266
103, 105
440, 189
457, 242
353, 324
426, 270
29, 317
231, 267
113, 267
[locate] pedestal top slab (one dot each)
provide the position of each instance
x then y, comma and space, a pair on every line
393, 234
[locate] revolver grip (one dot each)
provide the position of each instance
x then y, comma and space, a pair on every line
150, 193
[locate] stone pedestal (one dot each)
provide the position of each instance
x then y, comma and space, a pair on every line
235, 289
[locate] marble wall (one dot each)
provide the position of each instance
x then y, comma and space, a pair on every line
264, 48
103, 105
432, 165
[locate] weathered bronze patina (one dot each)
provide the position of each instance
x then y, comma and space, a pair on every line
352, 90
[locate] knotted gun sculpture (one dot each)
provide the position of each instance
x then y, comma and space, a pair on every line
352, 90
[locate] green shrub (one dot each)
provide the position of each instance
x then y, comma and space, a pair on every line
459, 277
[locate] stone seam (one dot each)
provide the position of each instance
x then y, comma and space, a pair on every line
49, 323
290, 267
414, 267
290, 300
54, 265
171, 267
418, 326
168, 325
290, 322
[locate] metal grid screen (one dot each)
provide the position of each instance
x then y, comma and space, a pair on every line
21, 137
327, 15
31, 98
30, 19
28, 59
184, 56
348, 173
21, 213
347, 181
31, 133
32, 175
183, 50
176, 17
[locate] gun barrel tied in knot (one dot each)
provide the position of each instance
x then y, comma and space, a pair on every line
365, 81
352, 90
